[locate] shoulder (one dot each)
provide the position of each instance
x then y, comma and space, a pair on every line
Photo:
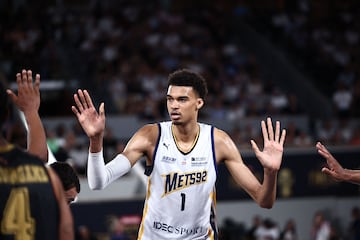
220, 136
225, 147
20, 153
149, 130
146, 136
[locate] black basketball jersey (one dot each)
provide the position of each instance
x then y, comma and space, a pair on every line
28, 206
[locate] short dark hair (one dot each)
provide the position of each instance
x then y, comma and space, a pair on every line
4, 101
186, 77
67, 175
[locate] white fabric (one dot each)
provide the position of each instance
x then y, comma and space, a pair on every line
323, 232
181, 192
101, 175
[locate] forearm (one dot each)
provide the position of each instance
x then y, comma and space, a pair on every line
36, 138
96, 144
267, 193
101, 175
66, 230
352, 176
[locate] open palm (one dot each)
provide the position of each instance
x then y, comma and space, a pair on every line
271, 156
90, 120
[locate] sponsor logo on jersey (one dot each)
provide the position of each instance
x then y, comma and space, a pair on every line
176, 181
178, 230
166, 145
168, 159
198, 161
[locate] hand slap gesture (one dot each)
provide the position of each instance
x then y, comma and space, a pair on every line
90, 120
271, 156
28, 97
333, 169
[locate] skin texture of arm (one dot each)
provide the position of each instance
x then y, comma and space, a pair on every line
142, 144
66, 230
28, 101
264, 193
334, 168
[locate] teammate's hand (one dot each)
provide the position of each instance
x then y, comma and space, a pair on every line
28, 97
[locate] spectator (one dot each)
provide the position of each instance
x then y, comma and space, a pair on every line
321, 228
69, 180
268, 230
354, 228
289, 231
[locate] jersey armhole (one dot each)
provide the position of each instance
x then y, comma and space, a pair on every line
213, 149
149, 168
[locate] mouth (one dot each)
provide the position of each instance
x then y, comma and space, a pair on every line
175, 115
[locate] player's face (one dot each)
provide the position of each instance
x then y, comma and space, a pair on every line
71, 195
182, 104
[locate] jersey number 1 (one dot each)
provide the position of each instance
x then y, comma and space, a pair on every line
182, 201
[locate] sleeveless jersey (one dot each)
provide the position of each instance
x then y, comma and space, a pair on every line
180, 200
28, 206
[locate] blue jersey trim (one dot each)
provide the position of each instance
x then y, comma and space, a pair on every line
213, 149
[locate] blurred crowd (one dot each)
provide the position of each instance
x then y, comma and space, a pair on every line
122, 51
322, 38
322, 225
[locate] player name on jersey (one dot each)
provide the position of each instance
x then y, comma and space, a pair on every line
23, 174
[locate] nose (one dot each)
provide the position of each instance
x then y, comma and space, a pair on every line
174, 104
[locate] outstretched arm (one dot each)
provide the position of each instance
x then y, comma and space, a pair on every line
263, 193
270, 158
93, 123
28, 101
334, 169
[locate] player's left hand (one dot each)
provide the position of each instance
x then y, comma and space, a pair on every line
271, 156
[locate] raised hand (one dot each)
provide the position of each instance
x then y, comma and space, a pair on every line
91, 121
28, 97
333, 169
271, 156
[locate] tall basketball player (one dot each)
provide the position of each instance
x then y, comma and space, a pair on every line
181, 157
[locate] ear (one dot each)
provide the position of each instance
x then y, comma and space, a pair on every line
200, 103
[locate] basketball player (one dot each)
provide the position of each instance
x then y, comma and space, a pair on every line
32, 201
69, 179
181, 157
334, 168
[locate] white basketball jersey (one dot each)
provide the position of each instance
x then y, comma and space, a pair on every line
180, 201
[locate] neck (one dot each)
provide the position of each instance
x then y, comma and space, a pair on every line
185, 140
185, 133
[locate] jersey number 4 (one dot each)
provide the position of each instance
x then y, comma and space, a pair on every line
17, 219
